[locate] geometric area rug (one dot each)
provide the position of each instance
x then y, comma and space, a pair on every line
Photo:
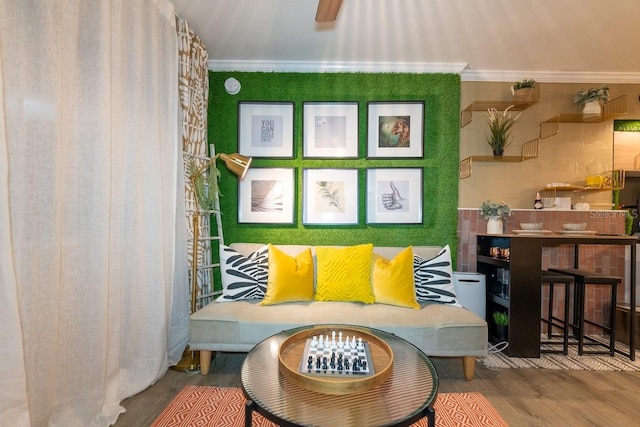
224, 406
572, 361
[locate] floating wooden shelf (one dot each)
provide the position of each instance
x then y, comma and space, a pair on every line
466, 115
613, 180
611, 110
529, 151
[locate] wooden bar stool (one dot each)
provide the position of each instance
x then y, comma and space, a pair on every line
583, 278
553, 279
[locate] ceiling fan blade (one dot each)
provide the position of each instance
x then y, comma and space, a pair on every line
328, 10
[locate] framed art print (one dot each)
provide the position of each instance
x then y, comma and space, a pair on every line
395, 129
330, 129
266, 195
330, 196
394, 196
265, 129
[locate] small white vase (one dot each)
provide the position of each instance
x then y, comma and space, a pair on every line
494, 225
592, 107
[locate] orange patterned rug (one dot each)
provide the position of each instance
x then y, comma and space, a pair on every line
217, 406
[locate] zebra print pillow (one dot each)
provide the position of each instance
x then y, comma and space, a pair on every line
433, 278
243, 277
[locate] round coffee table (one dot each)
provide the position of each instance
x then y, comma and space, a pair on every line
405, 397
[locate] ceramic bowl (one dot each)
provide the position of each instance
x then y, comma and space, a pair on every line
530, 226
575, 227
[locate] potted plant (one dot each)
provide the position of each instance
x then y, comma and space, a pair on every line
501, 322
500, 126
495, 213
592, 99
523, 91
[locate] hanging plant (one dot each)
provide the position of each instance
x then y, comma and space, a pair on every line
206, 185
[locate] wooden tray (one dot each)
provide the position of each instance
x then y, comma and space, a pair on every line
292, 349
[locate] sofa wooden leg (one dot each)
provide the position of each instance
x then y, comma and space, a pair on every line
205, 361
468, 366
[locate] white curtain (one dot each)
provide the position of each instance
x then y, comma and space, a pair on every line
93, 281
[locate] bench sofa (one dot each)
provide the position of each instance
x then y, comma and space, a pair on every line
435, 328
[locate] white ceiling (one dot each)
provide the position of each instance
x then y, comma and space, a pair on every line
484, 40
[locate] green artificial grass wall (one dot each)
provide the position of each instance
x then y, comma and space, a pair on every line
441, 95
626, 125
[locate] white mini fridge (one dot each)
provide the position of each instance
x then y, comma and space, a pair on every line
471, 290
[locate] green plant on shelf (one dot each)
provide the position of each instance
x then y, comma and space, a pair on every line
501, 318
592, 94
526, 83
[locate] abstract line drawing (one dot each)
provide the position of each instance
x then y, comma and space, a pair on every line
266, 196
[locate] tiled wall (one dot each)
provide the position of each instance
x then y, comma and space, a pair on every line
599, 258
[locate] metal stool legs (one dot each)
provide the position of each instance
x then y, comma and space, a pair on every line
554, 279
582, 279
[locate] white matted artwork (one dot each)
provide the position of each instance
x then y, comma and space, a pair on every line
330, 196
395, 129
266, 195
265, 129
330, 129
394, 196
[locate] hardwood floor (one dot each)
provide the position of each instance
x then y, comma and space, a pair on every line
524, 397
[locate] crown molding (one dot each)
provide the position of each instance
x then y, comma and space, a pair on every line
425, 67
549, 76
336, 67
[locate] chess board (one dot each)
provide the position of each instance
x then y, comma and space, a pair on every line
336, 359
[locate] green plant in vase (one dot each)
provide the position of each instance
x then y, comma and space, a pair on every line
491, 209
495, 213
501, 318
592, 99
592, 94
500, 126
501, 322
523, 91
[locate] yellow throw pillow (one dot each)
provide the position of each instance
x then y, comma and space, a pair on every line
344, 274
290, 278
393, 280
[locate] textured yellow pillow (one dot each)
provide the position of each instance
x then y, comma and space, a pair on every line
290, 278
344, 274
393, 280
